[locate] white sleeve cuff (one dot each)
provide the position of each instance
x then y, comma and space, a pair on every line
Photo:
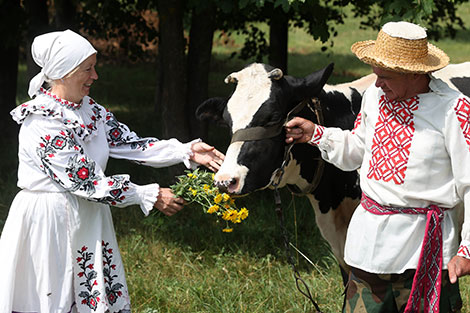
147, 195
189, 153
464, 249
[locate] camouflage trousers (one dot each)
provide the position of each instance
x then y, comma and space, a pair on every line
388, 293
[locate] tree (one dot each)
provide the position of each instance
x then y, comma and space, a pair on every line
201, 35
38, 23
183, 65
10, 29
173, 61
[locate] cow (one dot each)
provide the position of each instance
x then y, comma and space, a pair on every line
262, 99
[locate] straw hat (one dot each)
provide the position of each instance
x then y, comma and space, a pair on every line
401, 47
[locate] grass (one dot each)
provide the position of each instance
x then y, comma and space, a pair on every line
185, 263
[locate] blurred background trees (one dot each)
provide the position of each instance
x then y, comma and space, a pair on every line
182, 33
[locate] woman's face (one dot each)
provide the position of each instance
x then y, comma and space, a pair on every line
77, 85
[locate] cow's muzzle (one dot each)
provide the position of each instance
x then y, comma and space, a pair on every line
227, 184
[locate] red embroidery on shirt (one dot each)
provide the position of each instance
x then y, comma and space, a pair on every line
392, 140
463, 252
357, 122
317, 135
462, 110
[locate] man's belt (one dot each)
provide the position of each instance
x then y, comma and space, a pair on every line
427, 279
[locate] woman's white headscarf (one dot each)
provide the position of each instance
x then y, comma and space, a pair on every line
57, 53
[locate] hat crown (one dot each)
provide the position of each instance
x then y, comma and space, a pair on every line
404, 30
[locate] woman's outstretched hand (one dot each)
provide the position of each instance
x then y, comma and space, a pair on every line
299, 130
207, 155
167, 203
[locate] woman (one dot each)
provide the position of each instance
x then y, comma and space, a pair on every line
59, 251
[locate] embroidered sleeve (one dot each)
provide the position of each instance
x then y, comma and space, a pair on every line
464, 249
64, 160
126, 144
317, 135
457, 139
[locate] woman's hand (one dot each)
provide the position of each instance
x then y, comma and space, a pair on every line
207, 155
299, 130
167, 203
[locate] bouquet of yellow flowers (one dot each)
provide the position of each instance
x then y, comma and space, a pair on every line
197, 187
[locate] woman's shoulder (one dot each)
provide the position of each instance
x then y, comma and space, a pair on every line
40, 106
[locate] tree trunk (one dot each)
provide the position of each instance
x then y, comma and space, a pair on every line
173, 85
278, 34
10, 14
38, 23
199, 58
65, 15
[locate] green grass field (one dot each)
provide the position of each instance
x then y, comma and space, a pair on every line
185, 263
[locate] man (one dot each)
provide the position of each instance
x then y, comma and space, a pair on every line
412, 143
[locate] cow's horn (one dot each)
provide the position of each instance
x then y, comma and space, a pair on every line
230, 79
275, 74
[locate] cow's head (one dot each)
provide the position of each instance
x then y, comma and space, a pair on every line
262, 97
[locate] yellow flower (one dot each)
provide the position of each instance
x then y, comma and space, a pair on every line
191, 175
230, 215
218, 198
243, 213
232, 201
214, 208
227, 206
226, 197
194, 192
206, 187
227, 230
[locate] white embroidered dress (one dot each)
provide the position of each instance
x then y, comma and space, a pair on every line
59, 250
411, 153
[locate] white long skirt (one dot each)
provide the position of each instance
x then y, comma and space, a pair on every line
59, 254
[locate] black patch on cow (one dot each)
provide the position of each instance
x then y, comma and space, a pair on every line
335, 184
462, 84
265, 155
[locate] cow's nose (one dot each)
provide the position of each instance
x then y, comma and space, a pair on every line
226, 183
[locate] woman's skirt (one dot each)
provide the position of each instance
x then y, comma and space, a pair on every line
59, 254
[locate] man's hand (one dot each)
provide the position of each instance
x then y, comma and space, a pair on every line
299, 130
207, 155
458, 267
167, 203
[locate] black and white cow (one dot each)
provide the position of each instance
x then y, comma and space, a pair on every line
263, 97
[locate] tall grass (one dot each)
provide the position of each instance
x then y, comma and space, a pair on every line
185, 263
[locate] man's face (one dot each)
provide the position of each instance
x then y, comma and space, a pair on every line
396, 86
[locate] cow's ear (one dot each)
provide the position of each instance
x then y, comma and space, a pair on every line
311, 85
212, 110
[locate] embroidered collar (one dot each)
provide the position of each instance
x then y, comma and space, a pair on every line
69, 104
83, 118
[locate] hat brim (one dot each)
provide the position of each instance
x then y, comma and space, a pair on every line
435, 60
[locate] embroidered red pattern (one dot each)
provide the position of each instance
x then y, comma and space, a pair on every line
392, 140
357, 122
464, 252
317, 134
462, 109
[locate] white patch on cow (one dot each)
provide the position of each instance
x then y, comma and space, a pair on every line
230, 169
253, 89
453, 71
333, 225
360, 85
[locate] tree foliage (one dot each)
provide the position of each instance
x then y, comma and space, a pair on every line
438, 16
